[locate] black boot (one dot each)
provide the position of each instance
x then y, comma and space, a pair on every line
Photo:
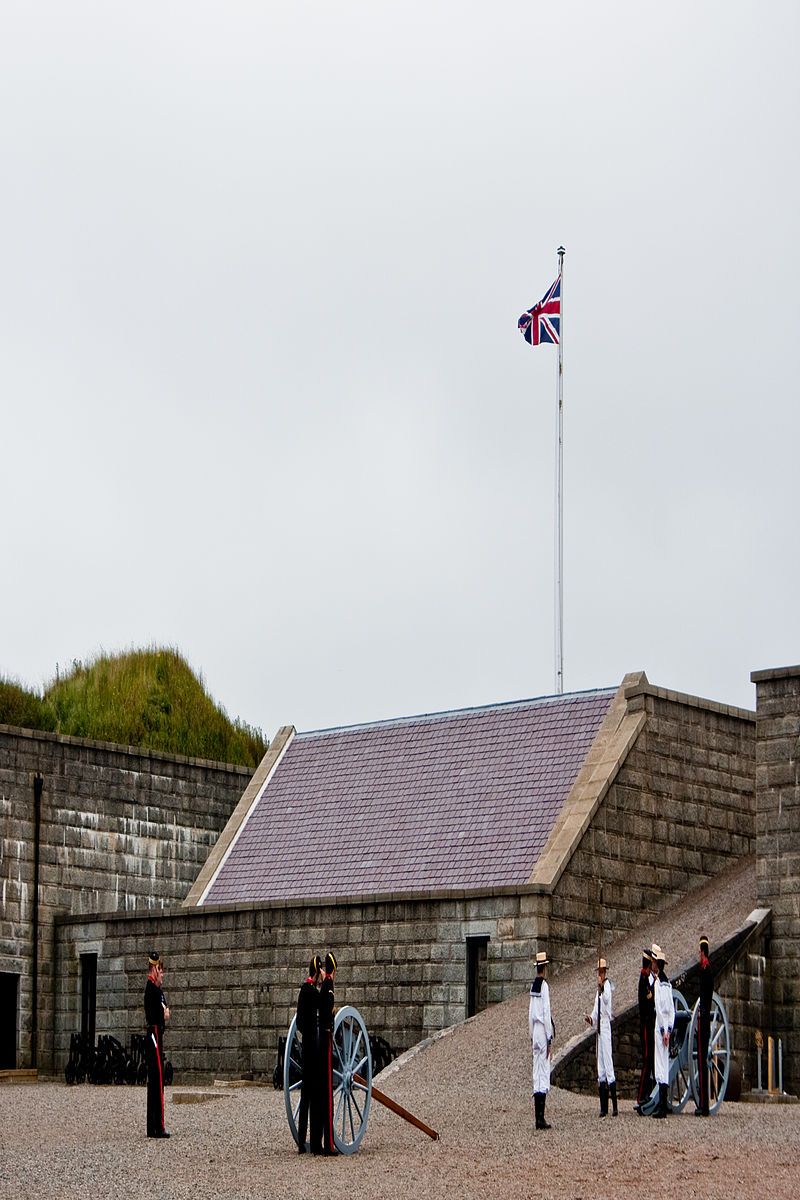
543, 1098
602, 1089
661, 1111
537, 1110
612, 1087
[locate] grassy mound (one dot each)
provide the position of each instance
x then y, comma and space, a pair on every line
148, 698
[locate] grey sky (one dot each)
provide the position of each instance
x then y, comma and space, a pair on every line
263, 394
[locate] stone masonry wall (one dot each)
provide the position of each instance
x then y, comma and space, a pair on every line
232, 974
120, 829
778, 850
681, 808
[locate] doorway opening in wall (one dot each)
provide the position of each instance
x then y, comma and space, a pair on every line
476, 973
88, 996
9, 994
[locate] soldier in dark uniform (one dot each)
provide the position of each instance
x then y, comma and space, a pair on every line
647, 1021
308, 1028
704, 1026
326, 1011
156, 1013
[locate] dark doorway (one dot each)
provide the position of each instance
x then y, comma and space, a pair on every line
88, 996
9, 990
476, 974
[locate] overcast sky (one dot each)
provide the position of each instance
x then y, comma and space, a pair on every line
263, 394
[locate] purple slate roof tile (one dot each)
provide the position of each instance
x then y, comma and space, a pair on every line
452, 800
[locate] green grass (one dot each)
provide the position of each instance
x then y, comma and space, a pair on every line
149, 698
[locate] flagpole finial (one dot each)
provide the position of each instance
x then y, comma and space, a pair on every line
561, 251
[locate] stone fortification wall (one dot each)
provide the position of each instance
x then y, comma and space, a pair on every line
120, 829
233, 973
778, 850
679, 809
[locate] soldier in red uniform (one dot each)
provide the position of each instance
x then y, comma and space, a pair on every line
156, 1013
704, 1027
647, 1021
326, 1011
310, 1086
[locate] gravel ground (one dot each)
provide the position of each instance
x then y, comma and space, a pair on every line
473, 1085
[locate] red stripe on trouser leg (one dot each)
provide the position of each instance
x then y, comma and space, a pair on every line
160, 1073
644, 1077
330, 1090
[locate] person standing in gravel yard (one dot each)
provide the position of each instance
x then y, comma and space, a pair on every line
156, 1013
311, 1082
647, 1020
326, 1011
704, 1027
542, 1031
600, 1020
665, 1019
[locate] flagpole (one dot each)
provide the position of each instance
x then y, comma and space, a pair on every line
560, 491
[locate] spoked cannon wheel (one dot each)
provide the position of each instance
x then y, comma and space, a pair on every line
680, 1083
719, 1054
352, 1079
680, 1076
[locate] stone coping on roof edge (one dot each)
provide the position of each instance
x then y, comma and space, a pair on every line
774, 673
727, 710
66, 739
351, 901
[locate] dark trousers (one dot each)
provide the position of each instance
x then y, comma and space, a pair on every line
310, 1097
155, 1082
327, 1089
703, 1035
646, 1044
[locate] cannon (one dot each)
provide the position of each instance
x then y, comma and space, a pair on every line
353, 1089
683, 1067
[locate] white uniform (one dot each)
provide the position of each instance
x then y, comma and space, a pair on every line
602, 1012
540, 1024
665, 1019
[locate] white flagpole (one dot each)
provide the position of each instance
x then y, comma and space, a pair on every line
560, 492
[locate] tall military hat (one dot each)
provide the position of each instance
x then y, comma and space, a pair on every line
330, 962
704, 945
602, 965
154, 959
541, 959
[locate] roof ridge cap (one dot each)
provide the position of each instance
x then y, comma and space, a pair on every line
532, 701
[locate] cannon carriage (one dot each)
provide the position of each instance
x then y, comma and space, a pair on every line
683, 1064
353, 1088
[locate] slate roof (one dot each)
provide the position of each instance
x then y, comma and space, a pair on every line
460, 799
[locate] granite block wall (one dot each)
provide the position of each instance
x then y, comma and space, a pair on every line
120, 829
681, 808
232, 975
778, 850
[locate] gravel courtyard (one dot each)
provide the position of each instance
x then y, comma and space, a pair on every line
89, 1142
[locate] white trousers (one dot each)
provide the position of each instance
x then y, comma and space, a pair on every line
661, 1059
605, 1063
541, 1063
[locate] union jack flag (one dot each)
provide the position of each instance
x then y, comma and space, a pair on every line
542, 323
